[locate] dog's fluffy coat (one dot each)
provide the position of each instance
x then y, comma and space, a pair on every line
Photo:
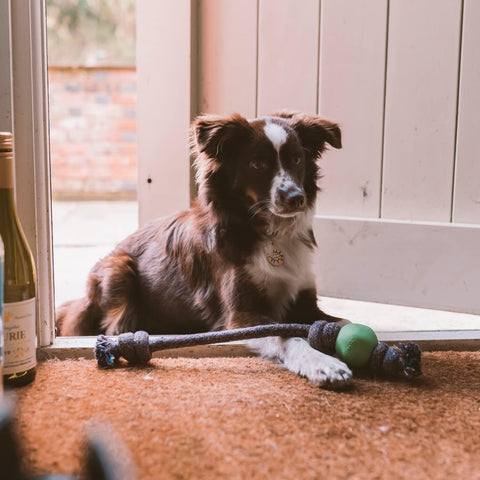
241, 256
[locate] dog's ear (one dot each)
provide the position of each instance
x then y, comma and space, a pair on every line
314, 132
216, 136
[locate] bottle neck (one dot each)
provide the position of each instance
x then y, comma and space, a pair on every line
7, 198
8, 212
6, 170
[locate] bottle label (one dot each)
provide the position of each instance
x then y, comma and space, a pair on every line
19, 325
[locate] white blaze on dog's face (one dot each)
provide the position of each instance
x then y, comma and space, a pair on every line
276, 134
287, 195
272, 169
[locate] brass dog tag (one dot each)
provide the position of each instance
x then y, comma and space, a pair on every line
276, 258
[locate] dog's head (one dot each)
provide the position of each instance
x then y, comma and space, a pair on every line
267, 165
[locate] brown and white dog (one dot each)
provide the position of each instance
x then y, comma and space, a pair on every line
240, 256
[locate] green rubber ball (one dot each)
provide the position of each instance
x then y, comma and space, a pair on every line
355, 344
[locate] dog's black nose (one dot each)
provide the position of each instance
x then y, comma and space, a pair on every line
296, 200
293, 198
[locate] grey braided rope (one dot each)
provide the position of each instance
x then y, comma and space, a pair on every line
137, 348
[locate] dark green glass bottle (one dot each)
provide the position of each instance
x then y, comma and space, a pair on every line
19, 309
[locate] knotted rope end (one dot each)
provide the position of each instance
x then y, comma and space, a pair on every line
133, 347
104, 352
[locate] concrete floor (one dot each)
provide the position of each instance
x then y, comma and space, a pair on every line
84, 232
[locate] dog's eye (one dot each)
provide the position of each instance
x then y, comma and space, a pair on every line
258, 165
297, 161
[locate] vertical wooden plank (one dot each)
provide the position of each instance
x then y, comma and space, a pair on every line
352, 73
227, 57
467, 179
23, 121
288, 55
5, 71
420, 111
163, 106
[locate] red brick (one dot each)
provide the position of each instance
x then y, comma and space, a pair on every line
95, 150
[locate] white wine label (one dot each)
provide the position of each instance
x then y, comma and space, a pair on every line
19, 325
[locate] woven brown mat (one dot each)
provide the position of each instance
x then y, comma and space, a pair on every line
245, 418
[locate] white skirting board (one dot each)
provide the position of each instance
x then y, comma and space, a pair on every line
428, 265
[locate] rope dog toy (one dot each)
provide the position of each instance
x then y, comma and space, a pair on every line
354, 343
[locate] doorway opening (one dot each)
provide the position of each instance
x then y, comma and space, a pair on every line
93, 134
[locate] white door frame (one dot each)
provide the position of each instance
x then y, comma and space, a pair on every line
24, 26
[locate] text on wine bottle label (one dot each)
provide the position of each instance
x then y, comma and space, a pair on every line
19, 334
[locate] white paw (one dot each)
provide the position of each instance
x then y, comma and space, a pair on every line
299, 357
326, 372
321, 369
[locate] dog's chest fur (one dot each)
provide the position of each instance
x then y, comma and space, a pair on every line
282, 283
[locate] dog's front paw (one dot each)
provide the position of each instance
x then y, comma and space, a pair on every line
327, 372
299, 357
321, 369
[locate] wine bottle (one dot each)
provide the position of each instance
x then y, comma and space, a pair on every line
19, 308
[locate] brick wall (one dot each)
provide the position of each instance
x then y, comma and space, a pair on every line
93, 132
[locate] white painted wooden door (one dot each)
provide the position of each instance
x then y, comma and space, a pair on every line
401, 77
399, 215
